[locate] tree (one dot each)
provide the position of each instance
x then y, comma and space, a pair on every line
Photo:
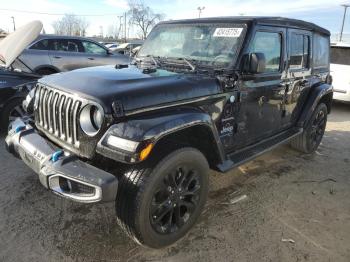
71, 25
143, 17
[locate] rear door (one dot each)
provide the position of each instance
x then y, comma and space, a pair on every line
298, 73
66, 54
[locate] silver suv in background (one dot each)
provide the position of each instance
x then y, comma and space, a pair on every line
51, 54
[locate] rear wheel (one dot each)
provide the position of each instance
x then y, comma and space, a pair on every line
157, 206
311, 138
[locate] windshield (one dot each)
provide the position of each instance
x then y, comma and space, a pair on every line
209, 44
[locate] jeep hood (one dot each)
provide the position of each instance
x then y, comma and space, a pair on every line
14, 44
132, 87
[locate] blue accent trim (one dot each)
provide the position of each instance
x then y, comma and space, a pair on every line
19, 129
55, 156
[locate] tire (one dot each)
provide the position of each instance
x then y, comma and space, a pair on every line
310, 139
12, 110
151, 209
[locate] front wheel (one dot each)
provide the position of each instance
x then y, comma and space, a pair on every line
311, 138
157, 206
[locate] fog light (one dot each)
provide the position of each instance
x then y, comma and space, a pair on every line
74, 189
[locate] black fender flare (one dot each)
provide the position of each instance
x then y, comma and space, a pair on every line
317, 92
157, 126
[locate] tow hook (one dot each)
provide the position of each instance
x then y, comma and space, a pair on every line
19, 129
55, 156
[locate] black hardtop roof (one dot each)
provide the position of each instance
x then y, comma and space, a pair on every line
262, 20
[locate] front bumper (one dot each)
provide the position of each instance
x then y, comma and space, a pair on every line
63, 173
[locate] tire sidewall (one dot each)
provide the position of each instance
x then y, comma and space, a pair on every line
309, 147
189, 156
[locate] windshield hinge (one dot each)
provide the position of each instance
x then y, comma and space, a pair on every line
118, 109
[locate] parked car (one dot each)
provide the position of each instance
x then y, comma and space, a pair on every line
220, 93
106, 44
51, 54
112, 45
125, 48
16, 79
340, 70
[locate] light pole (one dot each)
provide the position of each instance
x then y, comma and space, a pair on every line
342, 26
14, 24
200, 9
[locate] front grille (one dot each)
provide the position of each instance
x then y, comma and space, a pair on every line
57, 114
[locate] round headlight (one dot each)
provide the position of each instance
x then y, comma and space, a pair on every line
91, 119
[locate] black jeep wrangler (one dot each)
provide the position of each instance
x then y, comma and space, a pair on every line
201, 94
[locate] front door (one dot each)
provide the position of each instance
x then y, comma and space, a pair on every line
262, 95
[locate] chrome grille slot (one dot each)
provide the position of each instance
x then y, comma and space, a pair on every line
57, 114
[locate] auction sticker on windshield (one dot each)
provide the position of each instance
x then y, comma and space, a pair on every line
228, 32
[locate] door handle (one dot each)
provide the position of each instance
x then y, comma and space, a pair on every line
57, 57
91, 58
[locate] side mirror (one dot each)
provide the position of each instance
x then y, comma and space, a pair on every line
254, 63
109, 52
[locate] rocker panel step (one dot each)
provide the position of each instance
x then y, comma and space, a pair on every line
242, 156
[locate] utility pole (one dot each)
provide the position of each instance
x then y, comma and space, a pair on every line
342, 26
14, 24
120, 25
200, 9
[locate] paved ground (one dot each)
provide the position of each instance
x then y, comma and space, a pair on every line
297, 209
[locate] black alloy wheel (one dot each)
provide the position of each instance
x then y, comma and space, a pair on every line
175, 201
159, 203
311, 138
318, 128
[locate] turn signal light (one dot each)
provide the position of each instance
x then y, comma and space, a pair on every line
146, 151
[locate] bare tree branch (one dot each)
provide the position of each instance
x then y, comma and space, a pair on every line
70, 24
143, 17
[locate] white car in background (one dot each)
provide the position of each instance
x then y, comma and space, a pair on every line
340, 71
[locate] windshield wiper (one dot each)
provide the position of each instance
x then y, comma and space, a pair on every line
191, 65
156, 63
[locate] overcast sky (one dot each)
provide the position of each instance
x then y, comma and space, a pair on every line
327, 13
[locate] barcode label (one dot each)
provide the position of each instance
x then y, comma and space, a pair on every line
228, 32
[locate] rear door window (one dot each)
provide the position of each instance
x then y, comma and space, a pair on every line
65, 45
299, 51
